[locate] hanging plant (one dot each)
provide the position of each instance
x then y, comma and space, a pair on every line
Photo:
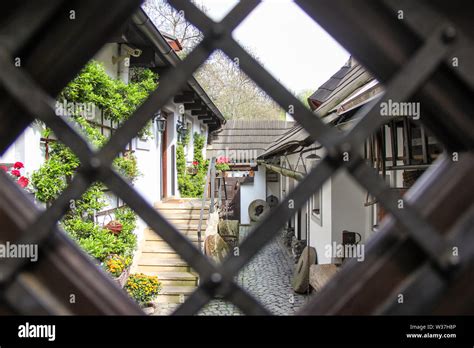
222, 164
14, 172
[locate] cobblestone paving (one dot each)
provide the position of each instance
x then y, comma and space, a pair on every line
267, 277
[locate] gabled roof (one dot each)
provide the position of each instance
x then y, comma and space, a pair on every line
158, 53
173, 41
328, 87
351, 88
253, 136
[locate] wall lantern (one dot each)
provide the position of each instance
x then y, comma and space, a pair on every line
181, 130
160, 122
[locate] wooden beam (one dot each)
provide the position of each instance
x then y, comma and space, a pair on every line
205, 117
201, 112
193, 106
184, 97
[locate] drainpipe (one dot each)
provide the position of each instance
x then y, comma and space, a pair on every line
283, 171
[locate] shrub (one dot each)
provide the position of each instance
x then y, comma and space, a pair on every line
116, 264
143, 288
191, 185
117, 102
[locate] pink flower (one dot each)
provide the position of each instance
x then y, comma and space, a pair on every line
16, 173
18, 165
23, 182
195, 163
4, 168
223, 159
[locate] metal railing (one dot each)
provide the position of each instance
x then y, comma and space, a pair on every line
412, 60
212, 164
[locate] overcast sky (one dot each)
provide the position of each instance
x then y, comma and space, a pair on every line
295, 49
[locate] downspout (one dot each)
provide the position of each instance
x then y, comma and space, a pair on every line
283, 171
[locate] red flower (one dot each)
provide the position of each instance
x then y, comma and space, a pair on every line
23, 182
18, 165
195, 163
16, 173
4, 168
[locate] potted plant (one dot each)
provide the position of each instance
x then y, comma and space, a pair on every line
193, 170
119, 268
222, 164
143, 289
114, 226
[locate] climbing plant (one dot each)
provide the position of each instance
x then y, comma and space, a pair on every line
117, 101
191, 184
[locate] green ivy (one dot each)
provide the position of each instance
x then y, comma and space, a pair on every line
191, 185
118, 101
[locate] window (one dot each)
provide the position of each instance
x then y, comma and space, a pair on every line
316, 206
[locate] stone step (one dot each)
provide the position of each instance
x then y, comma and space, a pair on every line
165, 254
190, 234
162, 243
153, 246
189, 227
176, 278
171, 215
186, 223
185, 212
163, 267
174, 294
155, 263
183, 206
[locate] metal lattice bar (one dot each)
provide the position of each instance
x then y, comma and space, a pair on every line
411, 69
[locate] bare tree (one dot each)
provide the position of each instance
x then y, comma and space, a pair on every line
170, 21
233, 92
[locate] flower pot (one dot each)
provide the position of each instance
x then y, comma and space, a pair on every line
149, 308
192, 170
114, 226
121, 280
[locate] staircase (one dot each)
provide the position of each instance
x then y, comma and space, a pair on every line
159, 259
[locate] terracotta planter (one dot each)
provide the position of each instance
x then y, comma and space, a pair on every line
192, 170
114, 226
121, 280
149, 308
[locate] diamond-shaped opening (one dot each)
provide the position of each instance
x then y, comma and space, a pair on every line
216, 9
234, 92
290, 45
182, 36
219, 307
272, 275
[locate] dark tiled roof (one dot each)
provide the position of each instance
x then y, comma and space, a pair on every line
291, 139
254, 135
347, 81
326, 89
